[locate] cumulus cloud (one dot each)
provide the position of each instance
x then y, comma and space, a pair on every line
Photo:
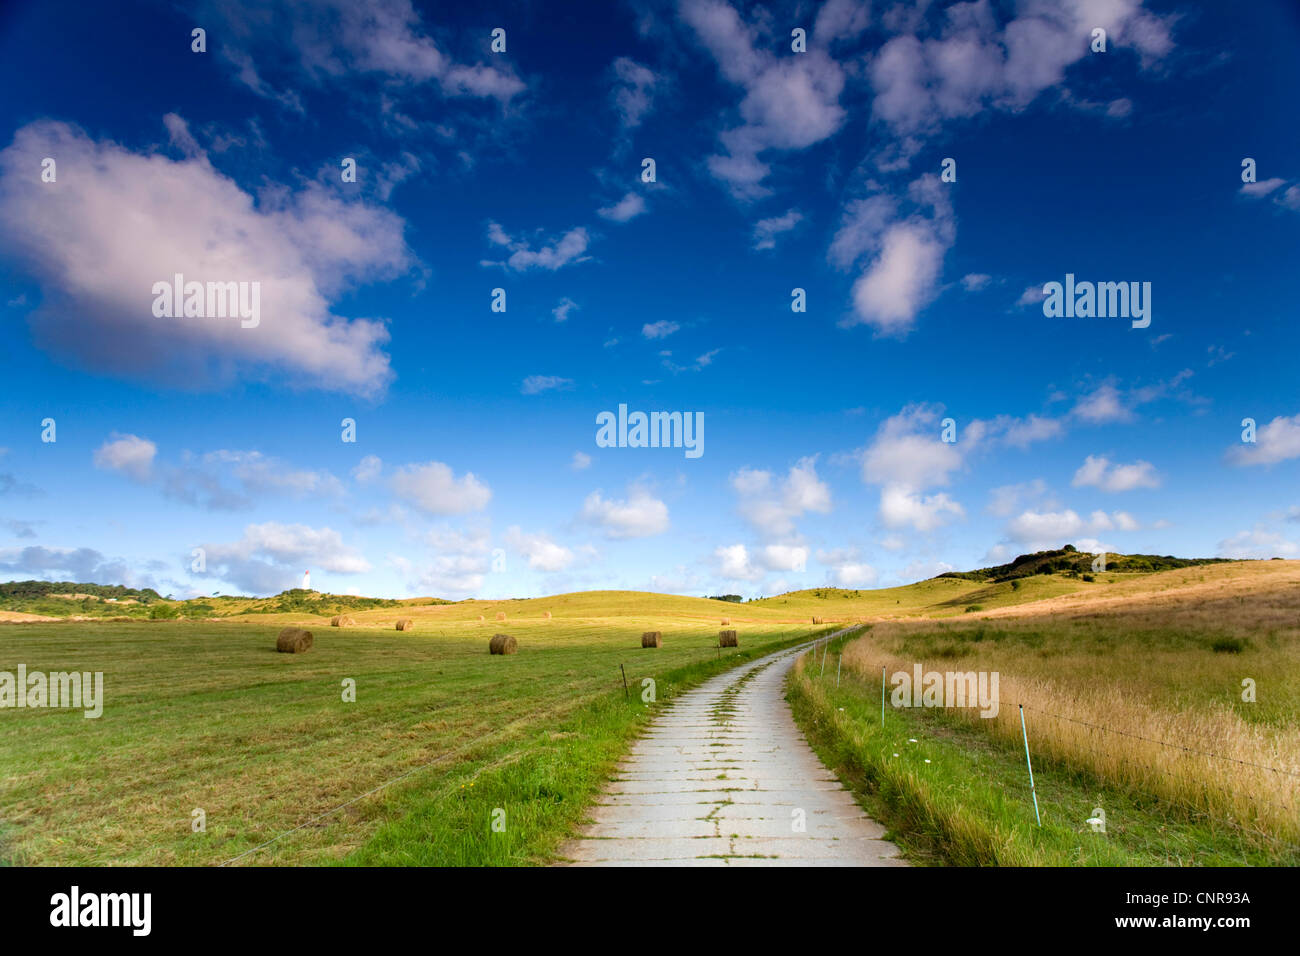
772, 506
732, 563
1277, 441
640, 515
433, 488
789, 102
974, 63
625, 210
128, 454
117, 222
1038, 530
271, 557
581, 461
550, 255
1257, 543
903, 254
74, 564
1097, 471
541, 552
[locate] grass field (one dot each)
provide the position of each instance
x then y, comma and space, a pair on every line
207, 715
1128, 690
204, 714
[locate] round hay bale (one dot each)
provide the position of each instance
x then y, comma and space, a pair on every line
726, 620
503, 644
652, 639
728, 639
501, 615
293, 640
817, 620
480, 618
406, 624
342, 620
546, 614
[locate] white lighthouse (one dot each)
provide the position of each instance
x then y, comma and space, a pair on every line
306, 580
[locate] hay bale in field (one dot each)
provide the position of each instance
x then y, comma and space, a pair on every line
728, 639
726, 620
546, 614
818, 620
342, 620
503, 644
480, 618
501, 615
293, 640
406, 624
652, 639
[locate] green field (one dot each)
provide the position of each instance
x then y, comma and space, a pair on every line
206, 715
203, 714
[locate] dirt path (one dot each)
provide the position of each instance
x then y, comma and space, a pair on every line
724, 778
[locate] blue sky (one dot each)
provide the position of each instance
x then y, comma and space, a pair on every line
475, 470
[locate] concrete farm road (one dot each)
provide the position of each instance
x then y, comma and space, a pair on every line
723, 777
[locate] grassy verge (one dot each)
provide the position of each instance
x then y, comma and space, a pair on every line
954, 794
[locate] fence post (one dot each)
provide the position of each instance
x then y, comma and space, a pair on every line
1030, 765
839, 662
882, 696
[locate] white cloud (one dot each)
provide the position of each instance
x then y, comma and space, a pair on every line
433, 488
789, 102
332, 41
633, 93
772, 507
626, 209
555, 254
766, 230
119, 222
1263, 187
368, 469
660, 329
784, 557
1277, 441
974, 281
1258, 543
536, 384
581, 461
854, 575
902, 276
563, 308
272, 556
1038, 530
641, 515
1098, 472
901, 506
128, 454
1005, 499
542, 553
733, 563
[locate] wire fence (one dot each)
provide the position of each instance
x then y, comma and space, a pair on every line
1058, 752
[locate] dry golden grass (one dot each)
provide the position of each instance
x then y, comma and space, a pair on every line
1139, 659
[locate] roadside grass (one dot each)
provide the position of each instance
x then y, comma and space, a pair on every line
206, 715
971, 804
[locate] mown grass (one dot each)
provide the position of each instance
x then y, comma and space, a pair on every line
207, 715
